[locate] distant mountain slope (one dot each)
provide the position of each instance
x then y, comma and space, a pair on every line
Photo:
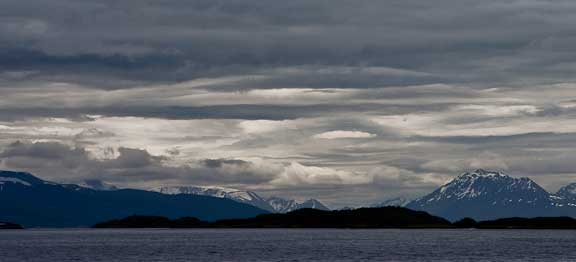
97, 185
489, 195
246, 197
567, 192
33, 202
282, 205
272, 204
395, 202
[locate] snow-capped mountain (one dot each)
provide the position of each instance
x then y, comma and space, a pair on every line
567, 192
396, 202
282, 205
565, 198
313, 203
485, 194
246, 197
272, 204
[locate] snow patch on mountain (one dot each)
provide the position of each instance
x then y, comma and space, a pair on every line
314, 204
97, 185
20, 178
221, 192
397, 202
4, 180
282, 205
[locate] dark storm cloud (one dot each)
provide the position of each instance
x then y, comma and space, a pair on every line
64, 67
242, 111
179, 40
131, 166
43, 155
215, 163
54, 154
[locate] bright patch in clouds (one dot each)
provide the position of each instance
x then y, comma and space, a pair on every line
265, 126
298, 174
343, 134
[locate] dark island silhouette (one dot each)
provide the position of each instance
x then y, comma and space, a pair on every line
520, 223
383, 217
8, 225
362, 218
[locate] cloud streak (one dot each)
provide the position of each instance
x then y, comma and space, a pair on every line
349, 101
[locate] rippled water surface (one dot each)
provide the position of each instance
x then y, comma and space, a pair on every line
287, 245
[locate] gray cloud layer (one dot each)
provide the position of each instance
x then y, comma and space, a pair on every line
350, 101
173, 40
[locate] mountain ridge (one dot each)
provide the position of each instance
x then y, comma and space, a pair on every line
483, 195
271, 204
33, 202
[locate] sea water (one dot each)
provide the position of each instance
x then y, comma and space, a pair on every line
286, 245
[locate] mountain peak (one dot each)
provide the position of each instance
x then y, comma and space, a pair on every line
568, 191
397, 201
481, 192
315, 204
480, 181
482, 173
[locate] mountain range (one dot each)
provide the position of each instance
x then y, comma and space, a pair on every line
480, 194
33, 202
271, 204
484, 195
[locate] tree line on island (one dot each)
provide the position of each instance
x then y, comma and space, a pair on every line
8, 225
367, 218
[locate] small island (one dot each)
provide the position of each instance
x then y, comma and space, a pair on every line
7, 225
520, 223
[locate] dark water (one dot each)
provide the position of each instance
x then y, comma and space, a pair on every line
287, 245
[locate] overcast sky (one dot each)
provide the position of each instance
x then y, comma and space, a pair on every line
347, 101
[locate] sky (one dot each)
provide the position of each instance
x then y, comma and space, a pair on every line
347, 101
